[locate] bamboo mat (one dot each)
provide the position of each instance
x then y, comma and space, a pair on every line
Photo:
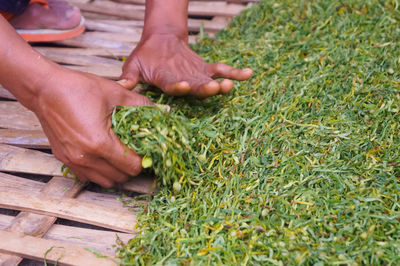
113, 28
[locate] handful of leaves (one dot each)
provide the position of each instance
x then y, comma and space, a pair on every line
162, 138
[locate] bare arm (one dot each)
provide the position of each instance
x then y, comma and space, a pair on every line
166, 17
164, 59
74, 110
22, 69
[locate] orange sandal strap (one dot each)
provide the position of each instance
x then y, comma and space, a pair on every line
6, 15
49, 35
43, 2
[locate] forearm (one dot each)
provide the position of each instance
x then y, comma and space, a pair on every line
166, 17
22, 69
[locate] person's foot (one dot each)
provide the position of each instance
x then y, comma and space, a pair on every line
59, 15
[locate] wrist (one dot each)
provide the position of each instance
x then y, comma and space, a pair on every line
23, 71
43, 84
164, 30
35, 83
166, 17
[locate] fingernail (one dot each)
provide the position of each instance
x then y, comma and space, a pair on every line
164, 107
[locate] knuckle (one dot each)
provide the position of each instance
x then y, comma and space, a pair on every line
122, 179
60, 156
135, 169
69, 159
95, 145
78, 159
107, 184
219, 67
129, 65
83, 179
143, 100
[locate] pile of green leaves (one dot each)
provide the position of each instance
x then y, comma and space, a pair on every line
162, 138
301, 163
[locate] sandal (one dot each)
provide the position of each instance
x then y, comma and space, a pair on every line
47, 34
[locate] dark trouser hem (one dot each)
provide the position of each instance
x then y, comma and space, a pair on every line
13, 6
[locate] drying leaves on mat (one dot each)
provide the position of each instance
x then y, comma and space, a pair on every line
298, 165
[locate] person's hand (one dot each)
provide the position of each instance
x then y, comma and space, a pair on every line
75, 110
166, 61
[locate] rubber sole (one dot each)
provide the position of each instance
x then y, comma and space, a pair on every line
49, 35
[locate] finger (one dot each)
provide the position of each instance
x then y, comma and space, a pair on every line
221, 70
206, 90
226, 86
121, 156
134, 99
164, 107
85, 173
177, 88
108, 171
170, 84
78, 174
129, 77
83, 169
127, 83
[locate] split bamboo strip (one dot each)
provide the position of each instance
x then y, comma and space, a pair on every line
136, 12
14, 115
14, 159
132, 26
6, 94
103, 52
99, 240
35, 224
84, 60
71, 209
32, 187
109, 72
52, 251
24, 138
88, 41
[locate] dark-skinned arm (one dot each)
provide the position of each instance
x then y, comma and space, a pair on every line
163, 57
74, 109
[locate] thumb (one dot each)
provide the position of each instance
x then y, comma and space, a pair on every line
129, 78
135, 99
